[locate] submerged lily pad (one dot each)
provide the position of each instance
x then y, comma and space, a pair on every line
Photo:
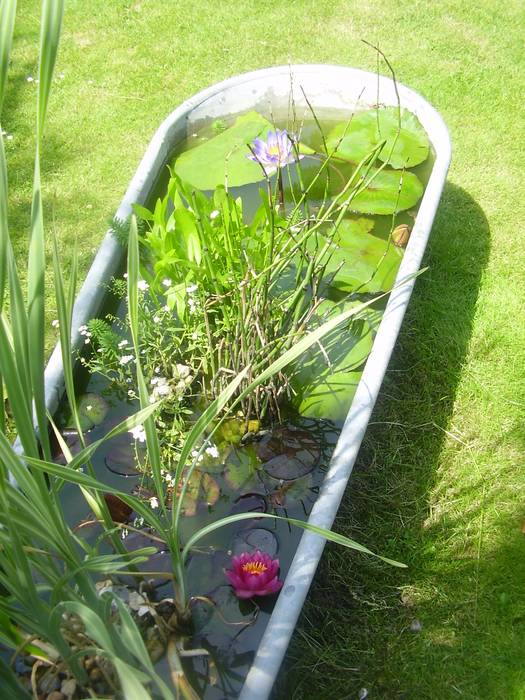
92, 409
288, 453
241, 471
257, 538
406, 144
291, 491
202, 488
326, 376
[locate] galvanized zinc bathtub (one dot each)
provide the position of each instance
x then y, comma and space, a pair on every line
327, 87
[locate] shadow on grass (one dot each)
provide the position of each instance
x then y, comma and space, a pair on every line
450, 626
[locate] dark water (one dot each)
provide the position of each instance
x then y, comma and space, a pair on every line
228, 628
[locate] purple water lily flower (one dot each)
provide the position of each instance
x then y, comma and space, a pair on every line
254, 574
275, 152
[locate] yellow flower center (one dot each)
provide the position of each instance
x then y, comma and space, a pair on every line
274, 151
254, 567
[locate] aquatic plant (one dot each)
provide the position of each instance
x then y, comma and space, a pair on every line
58, 606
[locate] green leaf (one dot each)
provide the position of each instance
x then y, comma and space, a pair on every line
223, 158
387, 192
376, 190
92, 409
321, 531
325, 377
406, 144
361, 262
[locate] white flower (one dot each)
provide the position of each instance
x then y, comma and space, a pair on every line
157, 370
82, 329
131, 392
161, 388
212, 451
142, 285
214, 214
125, 275
30, 79
138, 433
125, 359
89, 407
55, 323
156, 319
154, 502
166, 307
167, 282
9, 137
122, 343
87, 341
192, 288
183, 371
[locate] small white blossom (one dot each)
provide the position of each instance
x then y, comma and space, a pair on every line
166, 307
55, 323
82, 329
156, 319
197, 457
122, 343
125, 275
138, 433
157, 370
125, 359
9, 137
192, 288
30, 79
87, 341
131, 392
212, 451
142, 285
183, 371
154, 502
214, 214
167, 282
89, 407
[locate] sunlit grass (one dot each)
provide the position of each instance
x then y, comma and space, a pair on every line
440, 480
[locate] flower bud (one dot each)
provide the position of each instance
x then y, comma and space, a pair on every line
400, 235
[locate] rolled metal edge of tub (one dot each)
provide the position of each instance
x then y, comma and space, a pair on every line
276, 638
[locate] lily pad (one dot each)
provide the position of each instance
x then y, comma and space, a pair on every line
202, 488
250, 502
242, 468
288, 453
92, 410
325, 378
406, 144
120, 459
257, 538
387, 191
291, 491
360, 261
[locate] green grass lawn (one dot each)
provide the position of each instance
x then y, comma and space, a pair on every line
440, 481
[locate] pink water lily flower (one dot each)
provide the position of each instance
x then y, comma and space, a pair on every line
254, 574
273, 153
